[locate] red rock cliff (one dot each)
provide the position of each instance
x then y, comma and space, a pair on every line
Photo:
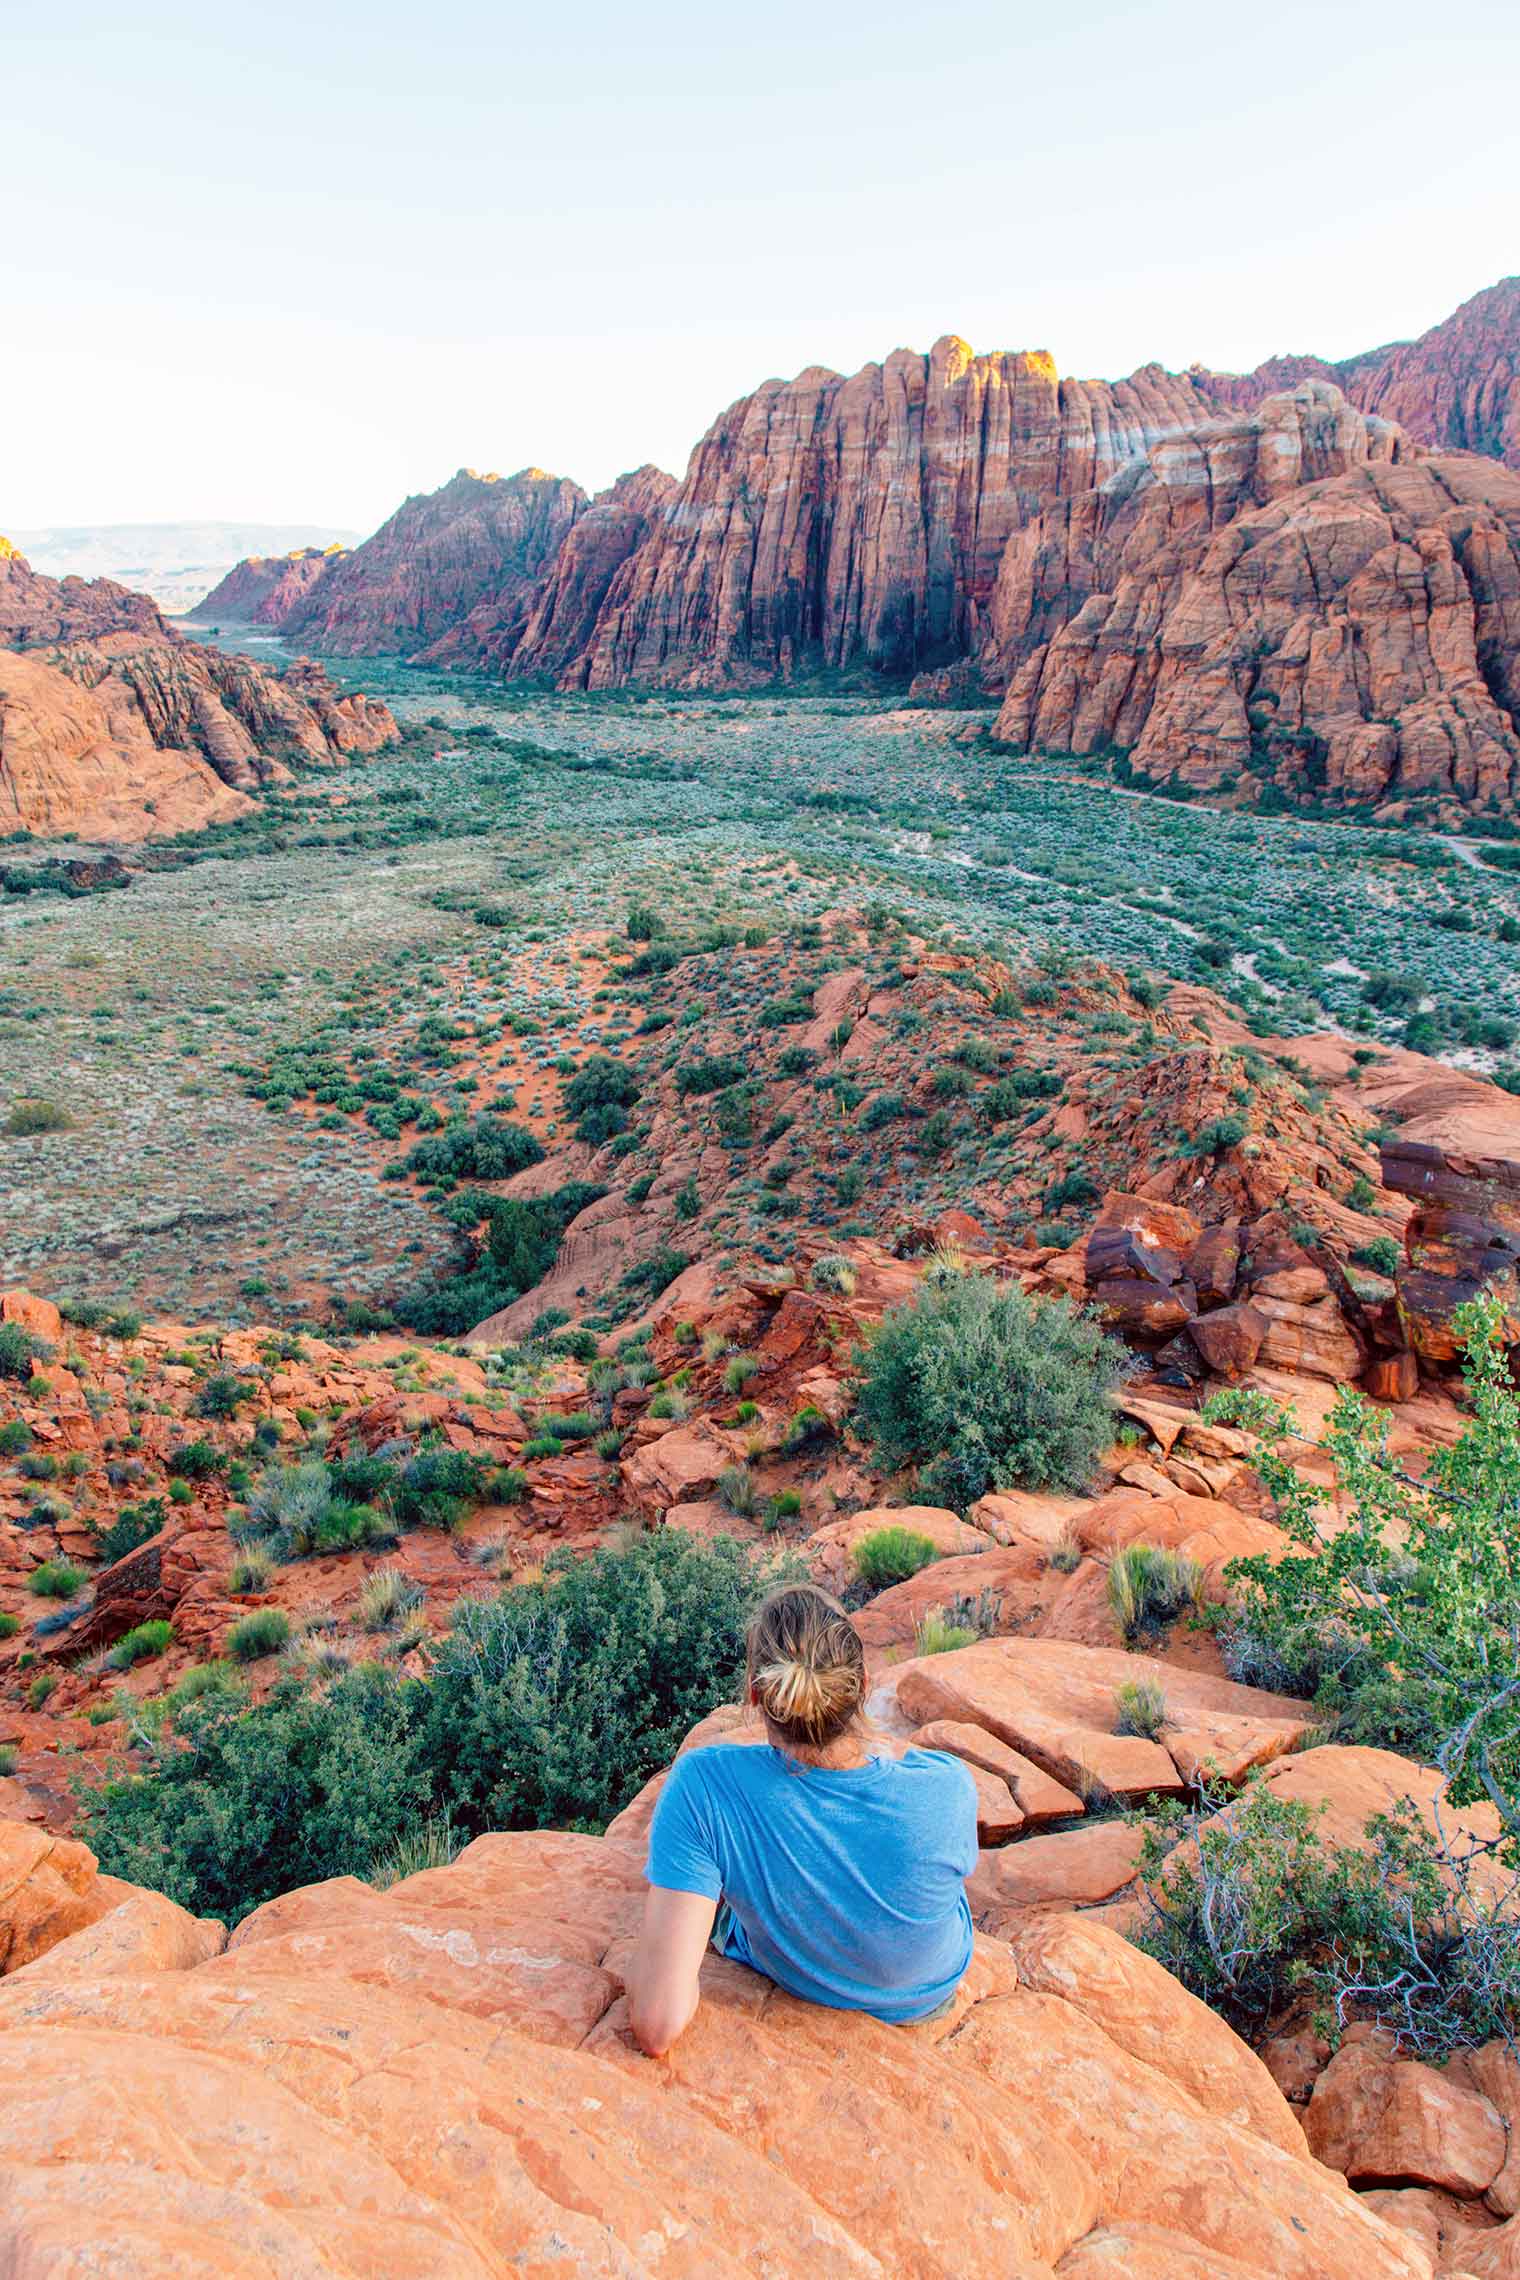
1457, 386
478, 544
1297, 594
268, 589
114, 726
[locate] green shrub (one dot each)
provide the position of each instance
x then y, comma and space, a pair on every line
1399, 1613
15, 1436
891, 1555
488, 1149
133, 1525
195, 1460
9, 1624
1001, 1391
30, 1118
1382, 1254
20, 1351
1254, 1910
262, 1633
1149, 1586
221, 1394
599, 1096
240, 1805
833, 1275
552, 1704
57, 1579
387, 1598
740, 1369
438, 1487
710, 1073
1140, 1708
937, 1635
250, 1571
140, 1644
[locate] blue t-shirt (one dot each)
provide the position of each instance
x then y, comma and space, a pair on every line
846, 1886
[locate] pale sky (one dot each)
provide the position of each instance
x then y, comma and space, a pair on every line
293, 263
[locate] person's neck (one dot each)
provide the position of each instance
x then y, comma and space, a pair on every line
839, 1756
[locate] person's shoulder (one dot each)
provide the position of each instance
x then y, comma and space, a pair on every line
940, 1766
719, 1765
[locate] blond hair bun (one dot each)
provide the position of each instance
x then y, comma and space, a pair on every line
806, 1665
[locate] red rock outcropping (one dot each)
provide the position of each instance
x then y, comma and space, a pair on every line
1296, 595
439, 2079
268, 589
1457, 386
451, 568
113, 726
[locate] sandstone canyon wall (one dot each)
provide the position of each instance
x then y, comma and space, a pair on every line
268, 589
1297, 594
449, 568
1297, 576
113, 726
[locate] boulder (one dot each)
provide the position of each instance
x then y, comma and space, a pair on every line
1394, 2121
1038, 1797
1230, 1338
49, 1888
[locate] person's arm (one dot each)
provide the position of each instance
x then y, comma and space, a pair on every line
663, 1990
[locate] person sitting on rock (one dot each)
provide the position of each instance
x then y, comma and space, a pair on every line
832, 1862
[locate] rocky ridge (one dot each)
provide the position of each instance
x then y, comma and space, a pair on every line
1301, 579
115, 727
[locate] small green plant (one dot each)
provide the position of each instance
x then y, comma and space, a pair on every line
741, 1368
891, 1555
937, 1635
57, 1579
258, 1635
434, 1843
15, 1436
1149, 1586
1381, 1254
250, 1572
41, 1690
141, 1643
1140, 1708
387, 1598
10, 1758
833, 1275
9, 1624
736, 1490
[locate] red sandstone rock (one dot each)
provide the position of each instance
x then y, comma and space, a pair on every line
114, 726
1217, 622
49, 1889
452, 568
1456, 387
336, 2094
1398, 2122
268, 589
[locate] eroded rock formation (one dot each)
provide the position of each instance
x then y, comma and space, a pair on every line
113, 726
1294, 595
268, 589
1456, 387
477, 545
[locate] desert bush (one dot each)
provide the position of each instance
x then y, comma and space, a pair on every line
891, 1555
15, 1436
434, 1843
711, 1072
221, 1394
1382, 1254
833, 1275
20, 1352
133, 1525
1149, 1586
57, 1579
9, 1624
1401, 1609
29, 1119
999, 1390
488, 1149
1243, 1902
551, 1705
598, 1097
262, 1633
737, 1491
